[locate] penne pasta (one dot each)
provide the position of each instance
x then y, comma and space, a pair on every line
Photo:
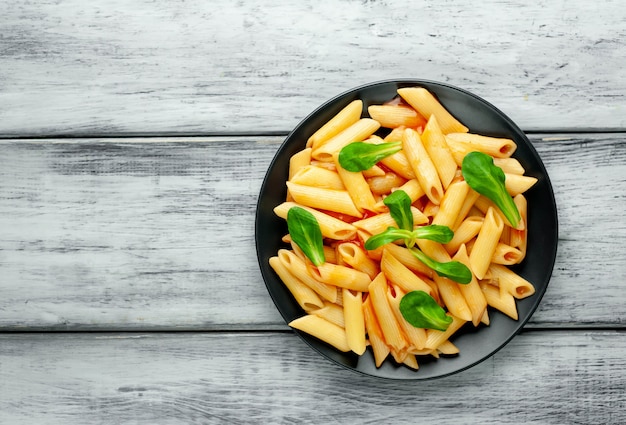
416, 337
375, 171
330, 255
323, 330
502, 301
511, 282
331, 312
311, 175
468, 203
430, 210
386, 318
506, 254
305, 296
435, 143
380, 222
411, 361
344, 119
381, 185
297, 267
298, 161
392, 116
354, 320
357, 188
451, 204
398, 162
426, 104
468, 142
453, 299
518, 237
343, 277
485, 245
338, 201
467, 231
483, 204
505, 237
404, 256
434, 250
413, 189
374, 333
331, 227
485, 320
448, 348
516, 184
472, 293
400, 275
422, 165
360, 130
357, 258
435, 338
509, 165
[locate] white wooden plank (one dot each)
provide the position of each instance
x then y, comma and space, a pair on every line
158, 233
540, 377
115, 233
588, 173
113, 66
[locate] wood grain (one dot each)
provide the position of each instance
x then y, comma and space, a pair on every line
276, 378
116, 233
157, 234
197, 67
129, 236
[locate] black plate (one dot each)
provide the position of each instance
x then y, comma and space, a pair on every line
475, 345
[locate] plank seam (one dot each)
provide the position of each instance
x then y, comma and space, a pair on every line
620, 328
278, 133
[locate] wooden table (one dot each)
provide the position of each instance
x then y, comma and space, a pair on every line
135, 137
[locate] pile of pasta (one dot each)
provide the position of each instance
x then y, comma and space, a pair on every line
352, 300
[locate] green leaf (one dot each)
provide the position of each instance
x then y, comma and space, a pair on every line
422, 311
305, 232
390, 235
453, 270
399, 204
359, 156
484, 177
434, 232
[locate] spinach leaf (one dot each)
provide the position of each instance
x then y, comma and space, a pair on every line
453, 270
434, 232
422, 311
305, 232
359, 156
399, 204
484, 177
390, 235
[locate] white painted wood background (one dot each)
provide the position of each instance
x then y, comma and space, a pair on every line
197, 66
136, 136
